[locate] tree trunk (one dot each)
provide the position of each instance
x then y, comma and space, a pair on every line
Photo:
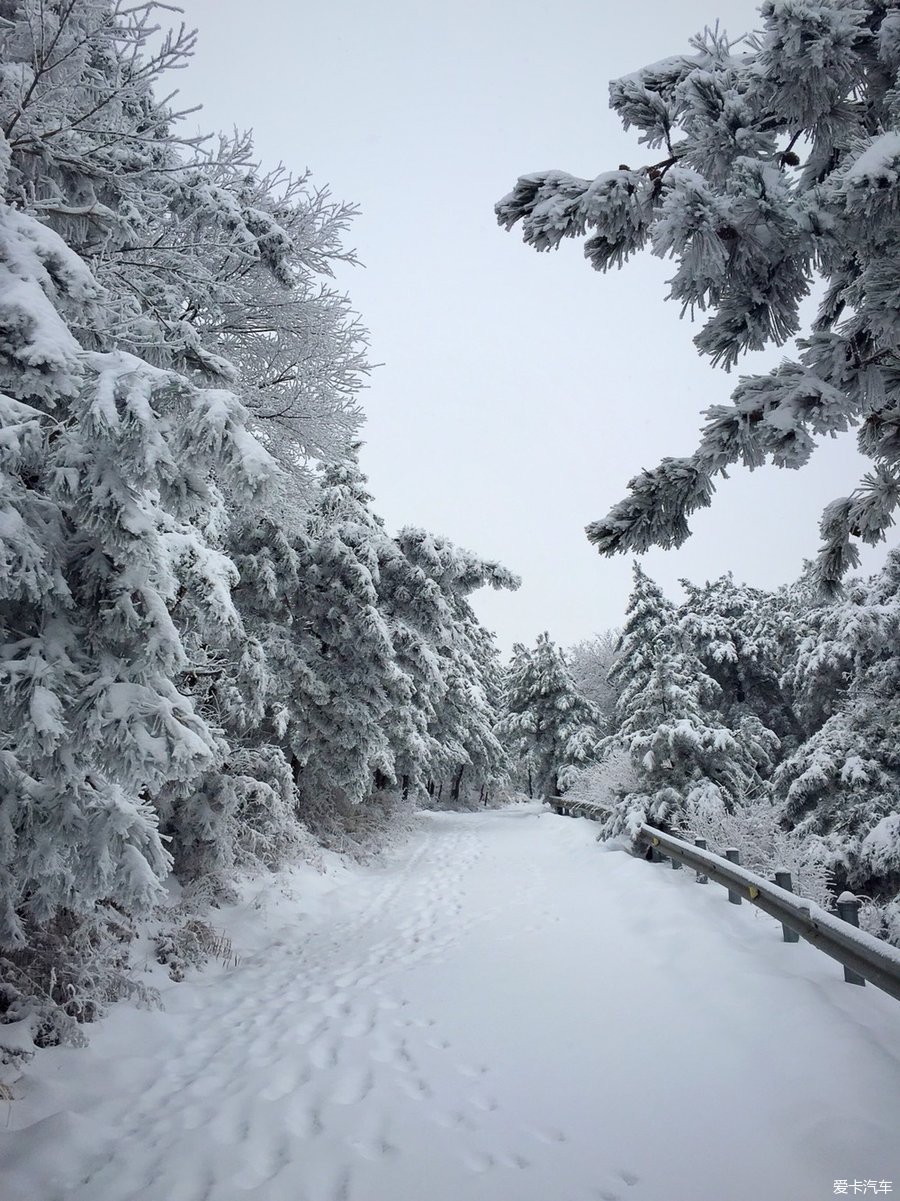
457, 782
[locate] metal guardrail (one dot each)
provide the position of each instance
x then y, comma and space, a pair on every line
859, 952
572, 808
864, 957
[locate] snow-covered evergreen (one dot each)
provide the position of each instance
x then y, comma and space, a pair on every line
685, 758
113, 473
439, 634
841, 784
738, 634
777, 161
340, 711
551, 729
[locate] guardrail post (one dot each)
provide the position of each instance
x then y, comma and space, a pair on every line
701, 843
848, 908
733, 855
783, 880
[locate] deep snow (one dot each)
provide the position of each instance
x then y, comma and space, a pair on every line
504, 1011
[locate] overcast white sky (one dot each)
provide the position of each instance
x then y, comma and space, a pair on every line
519, 392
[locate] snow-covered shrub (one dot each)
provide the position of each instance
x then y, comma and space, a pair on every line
68, 973
753, 827
365, 831
881, 919
842, 783
606, 782
188, 940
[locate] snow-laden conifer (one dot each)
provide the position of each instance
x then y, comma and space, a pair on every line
111, 492
549, 726
465, 756
339, 709
777, 162
737, 632
685, 759
841, 784
244, 685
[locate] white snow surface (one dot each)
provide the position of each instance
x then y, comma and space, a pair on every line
503, 1011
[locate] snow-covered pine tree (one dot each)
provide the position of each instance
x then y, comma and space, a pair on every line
684, 757
841, 785
778, 161
340, 708
549, 726
419, 615
244, 685
465, 756
479, 706
112, 501
737, 633
817, 664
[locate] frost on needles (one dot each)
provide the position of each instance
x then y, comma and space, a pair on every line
775, 161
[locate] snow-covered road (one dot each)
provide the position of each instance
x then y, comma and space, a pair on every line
505, 1012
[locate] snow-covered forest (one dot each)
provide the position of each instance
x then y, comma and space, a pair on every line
214, 654
221, 673
773, 178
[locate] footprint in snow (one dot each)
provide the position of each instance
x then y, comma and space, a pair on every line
403, 1054
473, 1071
309, 1028
304, 1119
360, 1023
373, 1148
455, 1120
630, 1178
348, 980
479, 1161
513, 1161
550, 1136
416, 1088
285, 1080
325, 1052
353, 1088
